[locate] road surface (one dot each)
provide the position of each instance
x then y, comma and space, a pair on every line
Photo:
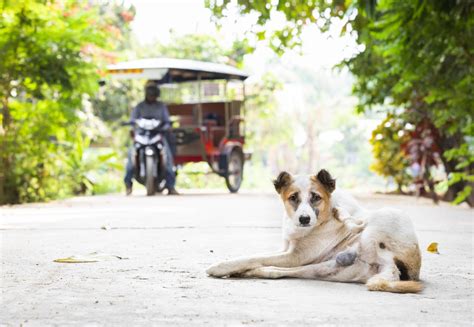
169, 241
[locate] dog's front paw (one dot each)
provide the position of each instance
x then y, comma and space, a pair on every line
221, 269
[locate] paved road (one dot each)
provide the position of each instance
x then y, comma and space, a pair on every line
169, 241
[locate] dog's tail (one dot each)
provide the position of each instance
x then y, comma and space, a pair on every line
399, 286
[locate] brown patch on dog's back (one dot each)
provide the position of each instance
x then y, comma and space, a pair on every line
411, 259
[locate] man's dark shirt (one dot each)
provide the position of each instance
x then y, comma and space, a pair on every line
154, 110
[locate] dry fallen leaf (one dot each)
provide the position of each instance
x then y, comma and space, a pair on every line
91, 257
433, 248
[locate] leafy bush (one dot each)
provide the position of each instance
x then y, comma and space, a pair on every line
389, 159
51, 53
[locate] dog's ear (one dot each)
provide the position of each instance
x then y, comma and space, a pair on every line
283, 180
325, 178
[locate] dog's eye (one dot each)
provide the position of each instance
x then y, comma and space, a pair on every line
293, 197
315, 197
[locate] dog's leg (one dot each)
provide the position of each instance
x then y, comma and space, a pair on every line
328, 270
330, 267
237, 266
286, 245
388, 278
313, 271
278, 272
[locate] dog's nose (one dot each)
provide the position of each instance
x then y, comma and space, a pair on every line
304, 220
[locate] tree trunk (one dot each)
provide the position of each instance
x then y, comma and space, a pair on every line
399, 189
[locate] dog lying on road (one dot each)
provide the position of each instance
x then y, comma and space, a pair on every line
328, 236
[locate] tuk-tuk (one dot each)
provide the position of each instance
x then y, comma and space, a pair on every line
206, 105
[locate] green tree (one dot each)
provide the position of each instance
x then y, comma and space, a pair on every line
198, 47
418, 56
421, 61
51, 53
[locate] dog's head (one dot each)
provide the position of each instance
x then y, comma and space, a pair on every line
306, 198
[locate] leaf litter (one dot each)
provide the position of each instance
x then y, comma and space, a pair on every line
89, 258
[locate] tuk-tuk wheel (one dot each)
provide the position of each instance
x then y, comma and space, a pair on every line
235, 171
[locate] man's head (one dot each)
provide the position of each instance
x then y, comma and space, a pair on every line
152, 92
306, 198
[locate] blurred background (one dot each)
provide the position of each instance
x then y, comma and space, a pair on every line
380, 93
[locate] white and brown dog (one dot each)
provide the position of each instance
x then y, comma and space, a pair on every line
328, 236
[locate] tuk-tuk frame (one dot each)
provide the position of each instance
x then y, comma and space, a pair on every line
219, 153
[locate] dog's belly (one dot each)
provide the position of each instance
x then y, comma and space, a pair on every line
326, 247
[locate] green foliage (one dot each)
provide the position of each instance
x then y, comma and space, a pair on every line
50, 54
297, 14
36, 165
198, 175
418, 56
108, 183
389, 160
268, 131
116, 99
198, 47
349, 159
265, 126
86, 165
190, 46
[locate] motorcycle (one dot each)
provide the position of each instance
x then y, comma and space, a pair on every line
149, 156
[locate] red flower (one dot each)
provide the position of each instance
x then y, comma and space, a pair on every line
127, 16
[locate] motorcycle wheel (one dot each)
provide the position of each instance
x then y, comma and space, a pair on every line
150, 179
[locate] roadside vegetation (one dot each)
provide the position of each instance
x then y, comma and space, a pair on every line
52, 53
415, 66
402, 106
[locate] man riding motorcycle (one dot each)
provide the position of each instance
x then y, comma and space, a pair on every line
150, 108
